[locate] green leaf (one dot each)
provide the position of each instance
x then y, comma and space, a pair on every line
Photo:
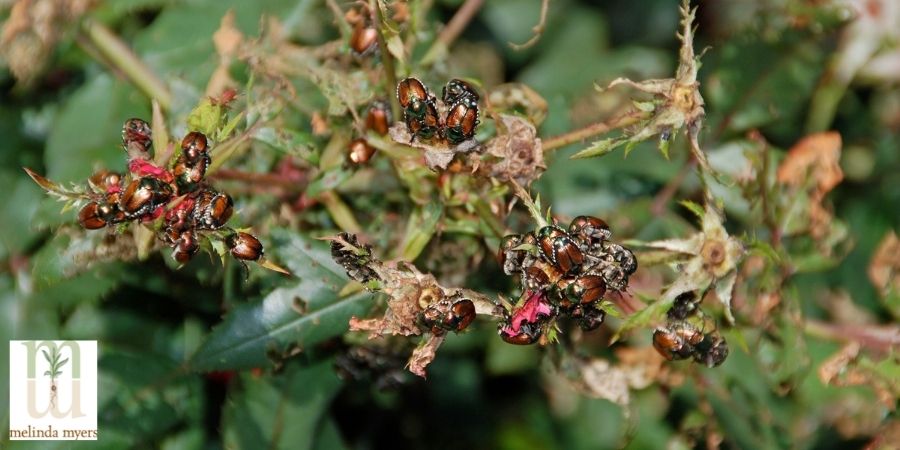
694, 208
281, 412
302, 314
664, 146
47, 356
205, 118
419, 230
47, 373
62, 363
328, 180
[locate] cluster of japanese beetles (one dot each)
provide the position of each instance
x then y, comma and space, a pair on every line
177, 197
681, 339
420, 111
563, 273
378, 120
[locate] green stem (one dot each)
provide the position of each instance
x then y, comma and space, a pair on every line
387, 60
123, 59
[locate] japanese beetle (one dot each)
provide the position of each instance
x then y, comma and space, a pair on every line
195, 149
624, 257
428, 126
355, 262
615, 277
534, 279
180, 217
364, 39
712, 351
459, 126
244, 246
187, 177
512, 260
378, 117
528, 333
676, 341
419, 110
448, 314
684, 306
458, 90
559, 249
359, 151
213, 210
185, 247
586, 289
589, 230
137, 135
98, 214
143, 195
591, 318
411, 93
106, 181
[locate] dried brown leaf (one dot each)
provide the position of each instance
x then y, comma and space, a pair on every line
520, 153
885, 265
817, 156
424, 354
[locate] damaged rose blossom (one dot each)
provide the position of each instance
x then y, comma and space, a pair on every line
417, 304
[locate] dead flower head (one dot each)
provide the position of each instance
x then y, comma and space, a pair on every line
677, 103
417, 305
708, 258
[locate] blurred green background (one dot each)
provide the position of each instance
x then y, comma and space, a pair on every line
169, 379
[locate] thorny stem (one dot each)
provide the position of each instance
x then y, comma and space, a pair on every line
624, 120
538, 29
122, 58
387, 60
454, 28
536, 213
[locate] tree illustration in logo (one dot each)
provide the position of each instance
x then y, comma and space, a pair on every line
55, 371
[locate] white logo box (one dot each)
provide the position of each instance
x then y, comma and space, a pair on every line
48, 404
